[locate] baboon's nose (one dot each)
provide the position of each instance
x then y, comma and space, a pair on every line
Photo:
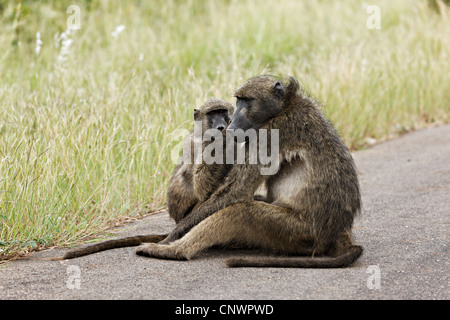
220, 128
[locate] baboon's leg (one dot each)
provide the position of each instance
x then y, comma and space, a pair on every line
248, 224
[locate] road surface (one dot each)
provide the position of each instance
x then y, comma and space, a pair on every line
404, 229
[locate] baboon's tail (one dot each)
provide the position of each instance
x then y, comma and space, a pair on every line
341, 261
110, 244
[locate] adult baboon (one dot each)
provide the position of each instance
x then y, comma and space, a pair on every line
190, 184
311, 201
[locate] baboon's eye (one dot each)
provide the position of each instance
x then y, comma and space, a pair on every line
246, 99
219, 112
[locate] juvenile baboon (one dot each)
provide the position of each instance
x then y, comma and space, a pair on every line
193, 183
190, 184
311, 201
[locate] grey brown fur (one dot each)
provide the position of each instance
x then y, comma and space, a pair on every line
310, 203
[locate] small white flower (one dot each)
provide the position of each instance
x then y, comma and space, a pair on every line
64, 42
117, 31
141, 56
370, 141
38, 43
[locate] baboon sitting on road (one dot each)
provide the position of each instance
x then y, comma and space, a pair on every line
311, 201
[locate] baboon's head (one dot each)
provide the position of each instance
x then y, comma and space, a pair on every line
214, 114
260, 99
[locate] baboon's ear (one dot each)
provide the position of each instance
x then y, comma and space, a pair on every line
293, 86
278, 90
195, 114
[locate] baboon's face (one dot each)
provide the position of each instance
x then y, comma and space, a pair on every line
218, 119
258, 100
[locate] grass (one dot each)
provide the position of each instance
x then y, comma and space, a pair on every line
86, 132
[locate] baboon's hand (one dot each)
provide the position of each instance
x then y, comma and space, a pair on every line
165, 240
184, 226
160, 251
176, 234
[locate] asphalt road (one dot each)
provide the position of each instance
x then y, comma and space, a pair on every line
404, 229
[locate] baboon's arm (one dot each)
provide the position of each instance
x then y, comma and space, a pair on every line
240, 185
207, 178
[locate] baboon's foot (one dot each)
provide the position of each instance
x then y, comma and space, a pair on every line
156, 250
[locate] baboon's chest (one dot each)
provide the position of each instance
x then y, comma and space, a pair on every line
287, 184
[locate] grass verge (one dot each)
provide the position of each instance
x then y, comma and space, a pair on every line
87, 116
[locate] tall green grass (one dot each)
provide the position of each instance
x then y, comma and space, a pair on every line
86, 140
